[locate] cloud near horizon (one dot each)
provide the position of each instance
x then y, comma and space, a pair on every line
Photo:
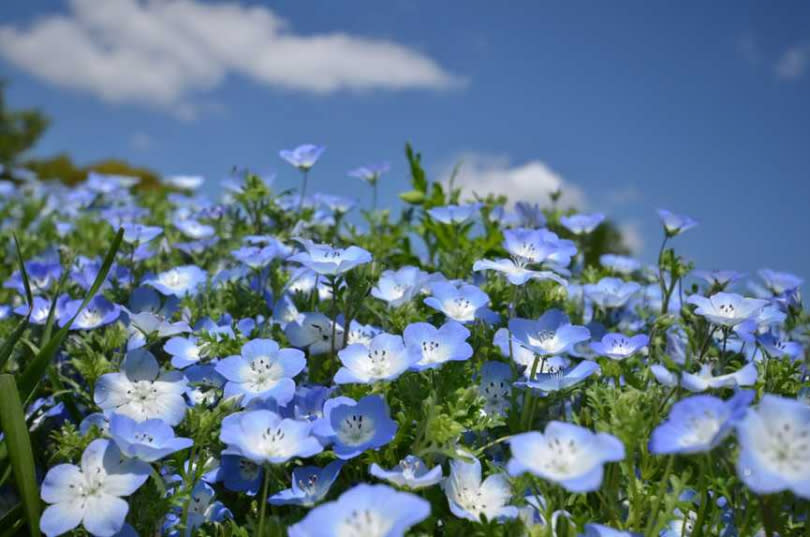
165, 54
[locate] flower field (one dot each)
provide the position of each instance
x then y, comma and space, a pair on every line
278, 363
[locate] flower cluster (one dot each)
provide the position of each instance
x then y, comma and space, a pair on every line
272, 363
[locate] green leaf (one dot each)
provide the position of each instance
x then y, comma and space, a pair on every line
36, 369
28, 294
414, 197
418, 177
16, 334
12, 420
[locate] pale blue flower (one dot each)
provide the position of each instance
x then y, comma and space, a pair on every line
516, 271
580, 224
90, 494
556, 379
148, 440
141, 392
698, 423
193, 229
675, 224
329, 261
550, 335
454, 214
464, 304
618, 346
256, 257
203, 508
310, 485
398, 287
431, 347
704, 379
539, 246
411, 472
495, 387
355, 427
262, 371
264, 437
304, 156
469, 497
98, 312
185, 351
598, 530
718, 278
384, 358
364, 510
313, 331
179, 281
240, 474
726, 309
567, 454
619, 263
779, 283
611, 292
184, 182
140, 233
774, 442
370, 173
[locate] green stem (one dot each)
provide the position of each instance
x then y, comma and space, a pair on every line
263, 500
305, 173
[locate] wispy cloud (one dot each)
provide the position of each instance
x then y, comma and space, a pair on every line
794, 62
530, 181
140, 141
166, 53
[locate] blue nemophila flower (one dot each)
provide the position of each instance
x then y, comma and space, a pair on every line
550, 335
255, 257
355, 427
495, 386
539, 246
776, 345
698, 423
194, 229
431, 347
41, 309
463, 304
41, 276
310, 485
265, 437
90, 494
411, 472
185, 351
774, 442
179, 281
515, 271
524, 356
469, 497
454, 214
567, 454
552, 379
203, 508
240, 474
611, 292
148, 440
383, 358
313, 331
304, 156
718, 278
779, 283
98, 312
580, 224
140, 233
618, 346
370, 173
338, 205
530, 214
398, 287
726, 309
141, 391
329, 261
361, 333
619, 263
364, 510
598, 530
262, 371
704, 379
675, 224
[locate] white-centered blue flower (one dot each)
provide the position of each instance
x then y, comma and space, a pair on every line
91, 494
310, 485
240, 474
141, 391
567, 454
193, 229
550, 335
411, 472
139, 233
98, 312
265, 437
464, 303
430, 347
581, 224
148, 440
398, 287
611, 292
555, 378
313, 331
185, 351
774, 442
675, 224
384, 358
779, 283
179, 281
704, 379
698, 423
495, 387
619, 346
470, 497
516, 271
620, 264
262, 371
726, 309
328, 260
304, 156
539, 246
364, 511
370, 173
454, 214
355, 426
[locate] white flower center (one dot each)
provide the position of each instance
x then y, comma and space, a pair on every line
174, 279
356, 429
364, 523
432, 352
459, 308
701, 429
264, 374
786, 448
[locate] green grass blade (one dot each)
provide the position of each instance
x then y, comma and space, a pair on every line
28, 294
39, 365
12, 421
16, 334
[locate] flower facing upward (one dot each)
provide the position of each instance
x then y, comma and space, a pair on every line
469, 497
329, 261
304, 156
726, 309
355, 426
611, 292
455, 214
550, 335
463, 304
431, 347
148, 440
263, 436
370, 173
383, 358
566, 454
581, 224
675, 224
310, 485
411, 472
179, 281
619, 346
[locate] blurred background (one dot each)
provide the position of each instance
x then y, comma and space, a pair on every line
701, 108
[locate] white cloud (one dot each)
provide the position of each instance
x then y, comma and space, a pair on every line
632, 236
532, 181
163, 53
794, 62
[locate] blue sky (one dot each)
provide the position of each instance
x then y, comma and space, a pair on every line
703, 108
